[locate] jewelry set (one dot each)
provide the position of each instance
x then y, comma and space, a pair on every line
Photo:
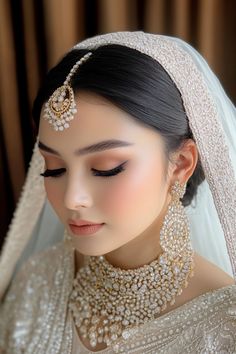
108, 302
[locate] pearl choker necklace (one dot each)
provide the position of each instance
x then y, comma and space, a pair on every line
107, 302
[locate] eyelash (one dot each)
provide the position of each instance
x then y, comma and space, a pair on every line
109, 173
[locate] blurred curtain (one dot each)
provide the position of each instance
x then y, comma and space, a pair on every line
35, 34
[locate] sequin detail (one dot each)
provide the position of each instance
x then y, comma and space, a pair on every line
23, 222
35, 317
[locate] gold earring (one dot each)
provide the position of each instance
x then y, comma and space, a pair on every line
175, 232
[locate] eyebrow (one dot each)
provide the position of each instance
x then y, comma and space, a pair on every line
100, 146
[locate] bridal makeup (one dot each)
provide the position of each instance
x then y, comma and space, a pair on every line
108, 169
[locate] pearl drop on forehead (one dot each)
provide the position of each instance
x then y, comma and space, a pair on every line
61, 106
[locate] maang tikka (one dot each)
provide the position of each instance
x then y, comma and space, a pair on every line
108, 302
61, 106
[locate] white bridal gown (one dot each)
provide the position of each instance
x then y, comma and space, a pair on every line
34, 318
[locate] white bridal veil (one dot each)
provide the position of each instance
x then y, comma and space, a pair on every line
212, 118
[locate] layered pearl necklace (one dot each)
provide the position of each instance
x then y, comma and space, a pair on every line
106, 302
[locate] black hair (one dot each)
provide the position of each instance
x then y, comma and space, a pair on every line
137, 84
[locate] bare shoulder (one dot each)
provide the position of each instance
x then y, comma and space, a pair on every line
207, 277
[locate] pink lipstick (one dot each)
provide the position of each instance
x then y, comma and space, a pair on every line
84, 227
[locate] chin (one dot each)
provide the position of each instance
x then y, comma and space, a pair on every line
89, 252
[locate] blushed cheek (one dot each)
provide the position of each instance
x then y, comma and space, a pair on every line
54, 195
133, 194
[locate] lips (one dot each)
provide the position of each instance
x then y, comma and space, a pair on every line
81, 222
87, 229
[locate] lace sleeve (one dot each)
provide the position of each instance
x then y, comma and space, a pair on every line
22, 304
33, 313
15, 311
221, 337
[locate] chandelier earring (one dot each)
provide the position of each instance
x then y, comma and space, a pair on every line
175, 232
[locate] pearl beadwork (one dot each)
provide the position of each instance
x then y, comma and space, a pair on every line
61, 106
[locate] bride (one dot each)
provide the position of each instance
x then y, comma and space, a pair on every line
123, 240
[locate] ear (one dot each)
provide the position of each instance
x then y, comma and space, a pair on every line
184, 162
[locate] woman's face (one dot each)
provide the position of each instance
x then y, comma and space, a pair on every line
131, 204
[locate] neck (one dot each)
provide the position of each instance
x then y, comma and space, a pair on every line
142, 250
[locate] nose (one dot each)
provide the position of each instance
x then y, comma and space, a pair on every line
77, 194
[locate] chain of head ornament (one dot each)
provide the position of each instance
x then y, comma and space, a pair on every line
61, 106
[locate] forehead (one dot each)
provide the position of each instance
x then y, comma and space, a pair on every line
96, 119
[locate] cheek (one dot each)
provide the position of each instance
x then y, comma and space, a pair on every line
134, 193
55, 195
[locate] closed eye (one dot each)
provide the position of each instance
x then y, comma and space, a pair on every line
53, 173
108, 173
